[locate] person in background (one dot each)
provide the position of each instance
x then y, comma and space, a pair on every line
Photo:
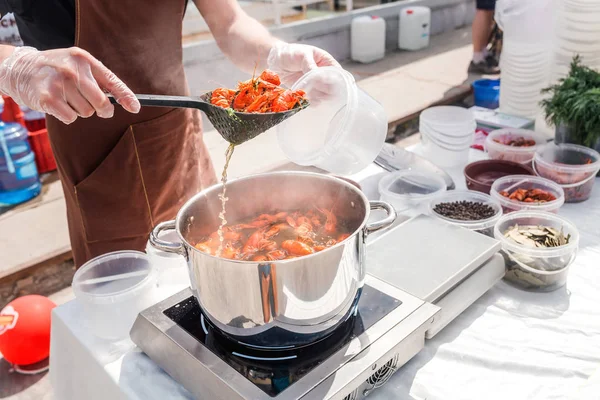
124, 168
483, 62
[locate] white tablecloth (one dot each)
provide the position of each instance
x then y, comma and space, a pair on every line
512, 344
509, 345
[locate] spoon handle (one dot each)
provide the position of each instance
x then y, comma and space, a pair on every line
156, 100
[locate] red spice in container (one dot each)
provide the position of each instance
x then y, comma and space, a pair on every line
572, 166
524, 192
517, 145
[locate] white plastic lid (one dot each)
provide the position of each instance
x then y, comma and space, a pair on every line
332, 95
447, 116
411, 183
113, 277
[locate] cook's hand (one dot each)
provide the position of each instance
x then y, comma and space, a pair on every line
291, 61
65, 83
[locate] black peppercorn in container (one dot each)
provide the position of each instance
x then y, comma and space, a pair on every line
469, 209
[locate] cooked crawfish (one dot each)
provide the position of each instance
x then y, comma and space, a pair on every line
258, 95
278, 236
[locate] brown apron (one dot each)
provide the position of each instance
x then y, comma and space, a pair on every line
121, 176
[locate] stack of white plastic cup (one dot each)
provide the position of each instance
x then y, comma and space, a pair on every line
526, 53
577, 32
447, 133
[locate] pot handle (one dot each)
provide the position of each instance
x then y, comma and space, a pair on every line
384, 223
169, 247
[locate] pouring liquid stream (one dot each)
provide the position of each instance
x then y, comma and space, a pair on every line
223, 197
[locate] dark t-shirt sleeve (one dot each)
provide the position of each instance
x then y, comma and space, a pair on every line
4, 8
43, 24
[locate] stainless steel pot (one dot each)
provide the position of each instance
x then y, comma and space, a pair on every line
288, 303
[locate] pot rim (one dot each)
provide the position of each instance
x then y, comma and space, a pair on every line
190, 247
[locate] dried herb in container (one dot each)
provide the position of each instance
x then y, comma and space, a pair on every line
520, 266
537, 236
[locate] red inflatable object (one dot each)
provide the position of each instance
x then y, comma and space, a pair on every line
25, 330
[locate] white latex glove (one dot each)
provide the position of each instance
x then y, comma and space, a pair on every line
290, 61
65, 83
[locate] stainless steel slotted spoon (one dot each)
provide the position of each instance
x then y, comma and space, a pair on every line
235, 127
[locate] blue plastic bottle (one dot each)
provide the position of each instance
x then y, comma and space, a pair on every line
19, 179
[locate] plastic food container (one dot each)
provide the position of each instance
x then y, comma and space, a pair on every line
481, 174
343, 129
449, 120
572, 166
410, 189
514, 182
447, 133
537, 269
522, 155
483, 226
443, 155
487, 93
113, 289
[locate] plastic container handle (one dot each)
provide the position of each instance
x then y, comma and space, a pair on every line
163, 245
565, 185
384, 223
508, 189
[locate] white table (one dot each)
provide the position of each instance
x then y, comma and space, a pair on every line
510, 344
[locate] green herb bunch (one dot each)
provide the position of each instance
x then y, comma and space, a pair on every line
575, 103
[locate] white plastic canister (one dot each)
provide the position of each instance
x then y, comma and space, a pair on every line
415, 24
367, 38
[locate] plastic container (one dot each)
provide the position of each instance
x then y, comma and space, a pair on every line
572, 166
522, 155
530, 22
447, 133
443, 155
514, 182
483, 226
480, 175
19, 180
415, 26
449, 141
487, 93
11, 112
537, 269
34, 120
172, 270
44, 157
113, 289
449, 120
367, 39
341, 132
410, 189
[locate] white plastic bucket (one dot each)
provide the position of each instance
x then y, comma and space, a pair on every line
343, 129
